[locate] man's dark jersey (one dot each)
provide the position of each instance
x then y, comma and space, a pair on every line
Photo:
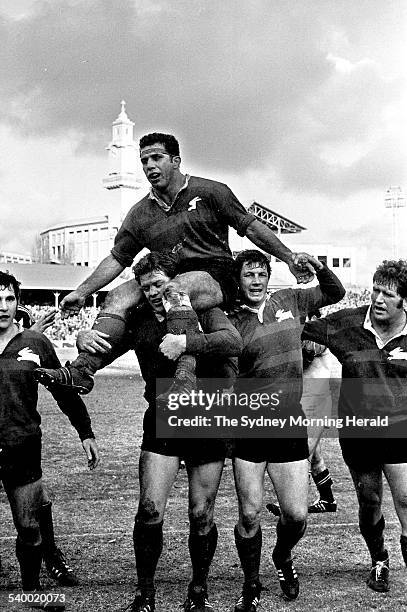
271, 360
195, 227
374, 380
19, 417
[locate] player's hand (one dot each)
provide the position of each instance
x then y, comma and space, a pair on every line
71, 304
45, 321
92, 341
173, 346
92, 452
303, 267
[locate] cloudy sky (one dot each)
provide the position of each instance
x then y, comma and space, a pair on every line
299, 104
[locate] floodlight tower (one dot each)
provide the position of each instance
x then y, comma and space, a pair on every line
394, 199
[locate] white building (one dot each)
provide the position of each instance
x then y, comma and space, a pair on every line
6, 257
85, 242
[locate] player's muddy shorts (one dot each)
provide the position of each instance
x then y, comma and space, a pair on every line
193, 451
366, 454
21, 464
222, 270
272, 450
196, 451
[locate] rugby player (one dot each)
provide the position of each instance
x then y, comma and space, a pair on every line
371, 344
157, 351
316, 402
271, 362
57, 566
20, 434
189, 216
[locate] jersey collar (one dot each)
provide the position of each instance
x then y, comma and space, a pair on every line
166, 207
367, 324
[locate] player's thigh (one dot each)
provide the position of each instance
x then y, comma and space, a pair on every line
290, 481
249, 483
157, 474
204, 291
25, 501
204, 482
368, 485
122, 298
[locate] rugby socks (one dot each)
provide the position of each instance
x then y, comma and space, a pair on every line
202, 549
46, 529
403, 544
288, 535
111, 324
323, 482
148, 545
29, 558
249, 551
373, 536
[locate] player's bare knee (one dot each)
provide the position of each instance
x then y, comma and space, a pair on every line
250, 519
148, 512
201, 516
401, 501
294, 514
122, 299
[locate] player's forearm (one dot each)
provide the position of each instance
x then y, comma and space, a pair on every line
331, 287
267, 241
220, 337
108, 269
74, 408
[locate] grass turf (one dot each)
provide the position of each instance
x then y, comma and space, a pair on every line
94, 513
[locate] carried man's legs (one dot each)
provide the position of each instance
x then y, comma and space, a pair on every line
187, 293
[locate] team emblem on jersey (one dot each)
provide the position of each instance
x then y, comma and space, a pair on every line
282, 315
26, 354
397, 353
193, 203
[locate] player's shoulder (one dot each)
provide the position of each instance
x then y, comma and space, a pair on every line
205, 184
348, 316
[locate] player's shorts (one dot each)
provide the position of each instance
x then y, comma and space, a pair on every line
271, 450
21, 464
192, 450
222, 270
366, 454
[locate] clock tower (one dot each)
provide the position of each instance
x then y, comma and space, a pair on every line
123, 180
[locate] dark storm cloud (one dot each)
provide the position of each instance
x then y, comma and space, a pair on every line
243, 84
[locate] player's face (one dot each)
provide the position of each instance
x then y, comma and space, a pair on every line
159, 167
387, 304
8, 307
153, 285
253, 284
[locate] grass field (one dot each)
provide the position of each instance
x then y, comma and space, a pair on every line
94, 514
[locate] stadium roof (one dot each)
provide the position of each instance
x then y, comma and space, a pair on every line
52, 277
276, 222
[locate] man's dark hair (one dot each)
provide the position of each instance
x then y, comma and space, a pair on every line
252, 256
392, 273
168, 140
162, 261
8, 280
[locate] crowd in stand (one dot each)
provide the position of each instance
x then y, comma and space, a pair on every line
64, 331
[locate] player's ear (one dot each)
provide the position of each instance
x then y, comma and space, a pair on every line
176, 160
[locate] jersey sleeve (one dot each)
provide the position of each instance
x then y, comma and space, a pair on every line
219, 336
68, 401
329, 291
231, 210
